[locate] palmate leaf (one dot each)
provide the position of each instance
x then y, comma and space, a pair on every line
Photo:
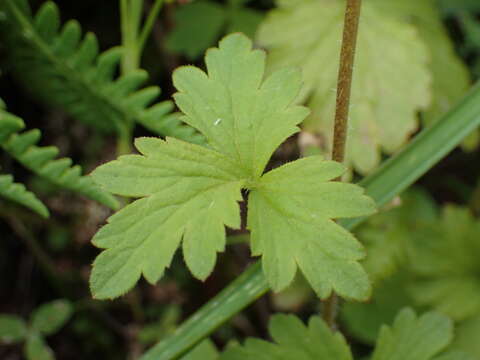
63, 70
409, 338
391, 79
41, 161
447, 264
191, 192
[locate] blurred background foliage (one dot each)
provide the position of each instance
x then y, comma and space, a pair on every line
423, 248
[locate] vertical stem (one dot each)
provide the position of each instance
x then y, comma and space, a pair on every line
344, 86
352, 17
148, 26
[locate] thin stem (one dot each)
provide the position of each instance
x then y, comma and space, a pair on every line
347, 57
148, 26
344, 86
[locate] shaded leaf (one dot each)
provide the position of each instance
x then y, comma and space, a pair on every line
36, 348
414, 338
197, 26
293, 340
391, 78
12, 329
48, 318
447, 264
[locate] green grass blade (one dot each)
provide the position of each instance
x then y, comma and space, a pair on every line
241, 292
394, 176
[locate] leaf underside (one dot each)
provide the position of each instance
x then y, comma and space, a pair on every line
391, 79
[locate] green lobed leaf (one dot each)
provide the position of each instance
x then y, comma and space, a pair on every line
48, 318
36, 348
414, 338
410, 337
293, 340
189, 191
290, 218
12, 329
447, 265
394, 176
391, 78
242, 115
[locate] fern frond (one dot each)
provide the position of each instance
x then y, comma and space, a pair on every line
17, 193
41, 161
63, 70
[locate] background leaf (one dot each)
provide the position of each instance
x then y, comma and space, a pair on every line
384, 102
48, 318
37, 349
293, 340
414, 338
12, 329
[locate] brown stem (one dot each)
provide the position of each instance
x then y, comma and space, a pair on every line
344, 86
352, 17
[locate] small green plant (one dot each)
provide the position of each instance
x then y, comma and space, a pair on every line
44, 321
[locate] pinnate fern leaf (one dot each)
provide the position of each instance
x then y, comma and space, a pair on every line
191, 192
41, 161
64, 70
17, 193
